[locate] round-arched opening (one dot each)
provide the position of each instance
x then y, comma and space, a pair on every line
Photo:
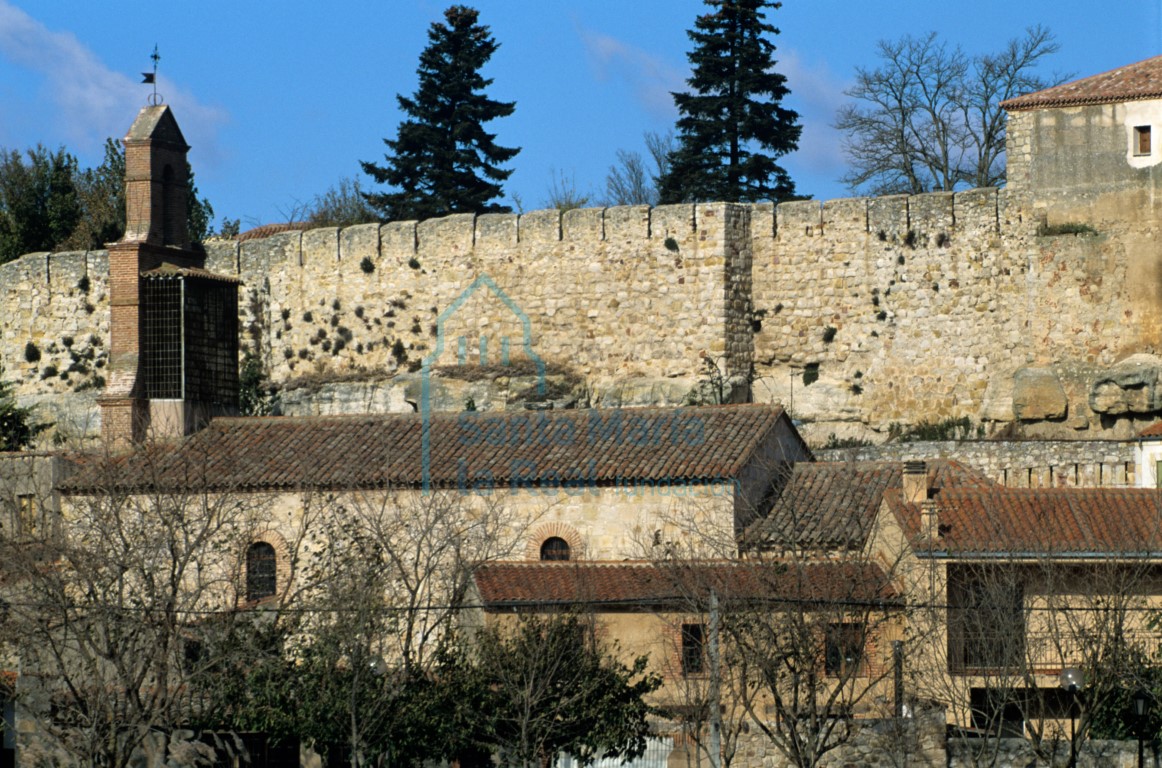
555, 548
261, 571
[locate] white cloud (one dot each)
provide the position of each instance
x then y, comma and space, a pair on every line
817, 95
650, 77
91, 102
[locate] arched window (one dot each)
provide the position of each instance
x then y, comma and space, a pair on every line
261, 571
555, 548
167, 207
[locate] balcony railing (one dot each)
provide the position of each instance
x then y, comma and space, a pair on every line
1039, 653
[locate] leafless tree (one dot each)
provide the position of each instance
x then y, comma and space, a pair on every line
563, 193
107, 600
630, 180
1012, 625
390, 573
804, 627
929, 117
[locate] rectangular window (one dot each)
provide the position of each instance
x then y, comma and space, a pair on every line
693, 649
27, 516
986, 619
1142, 140
843, 654
1158, 474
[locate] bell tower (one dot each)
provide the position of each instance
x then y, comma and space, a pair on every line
173, 348
156, 180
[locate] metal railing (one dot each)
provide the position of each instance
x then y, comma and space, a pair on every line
1039, 653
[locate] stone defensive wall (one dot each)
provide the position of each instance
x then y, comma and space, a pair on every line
941, 306
857, 314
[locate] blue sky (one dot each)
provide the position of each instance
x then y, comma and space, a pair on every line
281, 100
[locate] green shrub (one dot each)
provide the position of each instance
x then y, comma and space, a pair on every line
834, 442
948, 429
18, 428
1065, 228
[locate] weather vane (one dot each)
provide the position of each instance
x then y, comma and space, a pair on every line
155, 98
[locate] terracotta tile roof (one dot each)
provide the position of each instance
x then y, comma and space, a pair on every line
646, 585
493, 449
172, 270
1154, 430
1042, 521
266, 230
833, 504
1133, 82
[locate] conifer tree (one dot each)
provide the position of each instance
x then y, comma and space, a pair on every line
442, 160
732, 126
38, 200
18, 426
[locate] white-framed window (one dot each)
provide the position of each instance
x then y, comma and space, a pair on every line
1142, 141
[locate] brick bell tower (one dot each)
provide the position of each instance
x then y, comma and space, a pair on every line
173, 348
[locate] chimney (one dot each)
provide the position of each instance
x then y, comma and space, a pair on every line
929, 520
915, 488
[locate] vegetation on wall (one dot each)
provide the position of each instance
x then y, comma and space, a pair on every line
18, 426
960, 428
255, 395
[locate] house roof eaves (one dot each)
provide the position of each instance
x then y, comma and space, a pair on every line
991, 555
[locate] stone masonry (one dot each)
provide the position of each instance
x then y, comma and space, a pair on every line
857, 314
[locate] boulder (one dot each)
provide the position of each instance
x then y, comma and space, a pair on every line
998, 399
826, 400
1130, 386
643, 391
1038, 395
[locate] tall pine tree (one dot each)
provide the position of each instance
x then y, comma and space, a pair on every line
443, 161
732, 126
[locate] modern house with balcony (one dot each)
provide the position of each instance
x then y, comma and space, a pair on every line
1005, 587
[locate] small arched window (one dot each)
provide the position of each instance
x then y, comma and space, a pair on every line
555, 548
261, 571
167, 207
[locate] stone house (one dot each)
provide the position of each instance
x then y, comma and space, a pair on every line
957, 594
591, 487
1087, 150
1006, 587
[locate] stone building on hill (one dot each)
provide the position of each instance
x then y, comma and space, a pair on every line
1086, 151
